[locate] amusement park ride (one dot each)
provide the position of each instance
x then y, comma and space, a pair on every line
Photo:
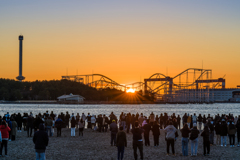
192, 82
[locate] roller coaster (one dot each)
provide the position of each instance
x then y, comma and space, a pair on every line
191, 82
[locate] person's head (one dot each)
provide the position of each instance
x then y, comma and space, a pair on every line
121, 128
81, 120
185, 126
113, 121
206, 129
155, 122
136, 124
4, 123
170, 123
194, 114
41, 127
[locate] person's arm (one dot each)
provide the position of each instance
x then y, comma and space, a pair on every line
0, 137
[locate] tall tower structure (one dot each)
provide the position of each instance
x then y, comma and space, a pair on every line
20, 77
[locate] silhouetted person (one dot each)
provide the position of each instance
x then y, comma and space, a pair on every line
59, 125
137, 141
114, 130
156, 133
146, 128
170, 131
121, 142
40, 139
206, 143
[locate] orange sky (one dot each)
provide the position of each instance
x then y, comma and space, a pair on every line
123, 42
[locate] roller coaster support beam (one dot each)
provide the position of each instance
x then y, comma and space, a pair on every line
221, 80
169, 79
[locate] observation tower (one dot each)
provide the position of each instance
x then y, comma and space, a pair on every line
20, 77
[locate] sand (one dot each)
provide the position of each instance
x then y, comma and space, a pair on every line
96, 146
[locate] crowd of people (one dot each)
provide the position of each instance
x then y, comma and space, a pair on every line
43, 125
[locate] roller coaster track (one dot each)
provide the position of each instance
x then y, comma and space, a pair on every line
103, 81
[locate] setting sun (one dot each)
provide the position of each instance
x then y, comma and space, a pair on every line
130, 90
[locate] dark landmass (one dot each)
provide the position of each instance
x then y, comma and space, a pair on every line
11, 90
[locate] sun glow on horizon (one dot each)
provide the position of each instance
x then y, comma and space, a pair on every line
130, 90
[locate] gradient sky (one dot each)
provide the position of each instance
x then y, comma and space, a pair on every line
124, 40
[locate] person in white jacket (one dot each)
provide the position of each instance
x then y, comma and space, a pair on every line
170, 131
93, 121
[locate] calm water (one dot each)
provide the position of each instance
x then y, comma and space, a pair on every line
117, 109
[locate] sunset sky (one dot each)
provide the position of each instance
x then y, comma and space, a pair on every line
124, 40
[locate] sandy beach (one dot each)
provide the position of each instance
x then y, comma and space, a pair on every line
96, 146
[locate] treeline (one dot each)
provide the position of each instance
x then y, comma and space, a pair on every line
11, 90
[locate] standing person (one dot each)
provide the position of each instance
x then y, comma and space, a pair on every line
156, 133
73, 124
128, 122
206, 143
178, 121
67, 117
146, 128
211, 130
48, 124
58, 125
200, 119
89, 121
204, 120
81, 126
140, 119
170, 131
84, 119
161, 121
133, 120
40, 139
123, 120
93, 122
218, 132
9, 122
4, 129
151, 119
77, 119
224, 131
114, 130
137, 141
121, 142
194, 118
14, 129
189, 121
29, 125
231, 133
19, 122
185, 135
194, 139
105, 123
238, 130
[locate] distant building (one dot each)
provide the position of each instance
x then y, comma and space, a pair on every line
205, 95
71, 97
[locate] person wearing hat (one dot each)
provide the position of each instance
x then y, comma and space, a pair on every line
224, 132
114, 131
194, 139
